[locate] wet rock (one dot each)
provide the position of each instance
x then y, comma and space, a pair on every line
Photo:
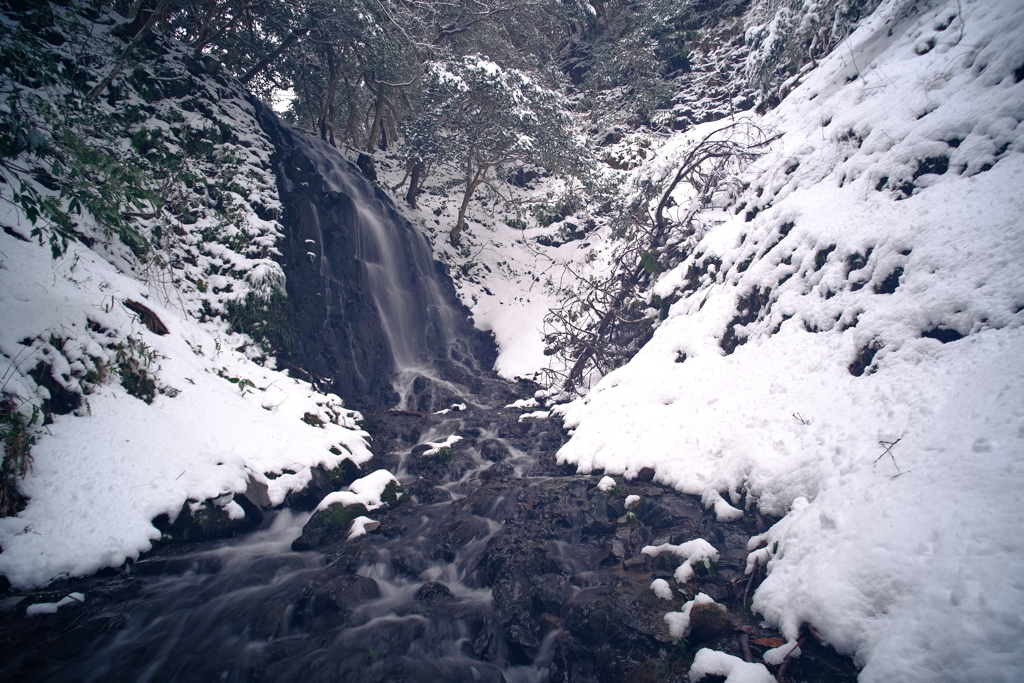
707, 620
651, 671
672, 511
327, 526
424, 492
501, 471
322, 482
175, 566
207, 521
646, 474
342, 593
493, 450
462, 530
434, 593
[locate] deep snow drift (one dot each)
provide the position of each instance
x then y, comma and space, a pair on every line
847, 350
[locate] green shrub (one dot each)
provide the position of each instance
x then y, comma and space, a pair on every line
17, 454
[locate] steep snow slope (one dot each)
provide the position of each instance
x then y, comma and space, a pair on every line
847, 350
143, 422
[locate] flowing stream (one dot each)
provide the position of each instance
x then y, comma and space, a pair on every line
495, 563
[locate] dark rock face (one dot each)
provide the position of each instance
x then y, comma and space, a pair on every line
339, 341
339, 310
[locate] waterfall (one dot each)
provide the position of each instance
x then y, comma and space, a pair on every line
380, 321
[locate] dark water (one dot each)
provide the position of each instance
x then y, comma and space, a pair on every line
495, 564
403, 603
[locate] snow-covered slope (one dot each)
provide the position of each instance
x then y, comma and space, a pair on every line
144, 417
848, 351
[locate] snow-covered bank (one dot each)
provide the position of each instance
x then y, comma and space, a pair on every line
866, 293
100, 477
129, 347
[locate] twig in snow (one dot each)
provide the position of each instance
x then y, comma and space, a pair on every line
888, 451
781, 676
753, 575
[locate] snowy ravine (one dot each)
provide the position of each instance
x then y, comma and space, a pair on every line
847, 351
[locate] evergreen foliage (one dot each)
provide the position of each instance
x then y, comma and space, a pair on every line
787, 37
477, 116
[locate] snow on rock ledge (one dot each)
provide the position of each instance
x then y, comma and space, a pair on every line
366, 491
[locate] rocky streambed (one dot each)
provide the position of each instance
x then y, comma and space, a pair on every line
490, 563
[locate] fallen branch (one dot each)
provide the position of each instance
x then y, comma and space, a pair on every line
147, 317
744, 639
753, 574
888, 451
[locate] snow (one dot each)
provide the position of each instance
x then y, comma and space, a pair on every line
437, 447
777, 655
693, 552
454, 406
631, 500
100, 477
523, 403
714, 663
360, 525
52, 607
606, 484
662, 589
679, 622
365, 491
896, 554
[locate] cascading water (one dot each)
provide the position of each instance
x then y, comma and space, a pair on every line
380, 324
420, 324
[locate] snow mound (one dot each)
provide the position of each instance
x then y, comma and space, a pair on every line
679, 622
662, 589
366, 491
435, 447
697, 551
714, 663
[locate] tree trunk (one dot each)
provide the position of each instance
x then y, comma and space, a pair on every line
471, 186
161, 8
414, 186
378, 117
334, 71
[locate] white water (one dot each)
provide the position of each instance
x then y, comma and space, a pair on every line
419, 323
